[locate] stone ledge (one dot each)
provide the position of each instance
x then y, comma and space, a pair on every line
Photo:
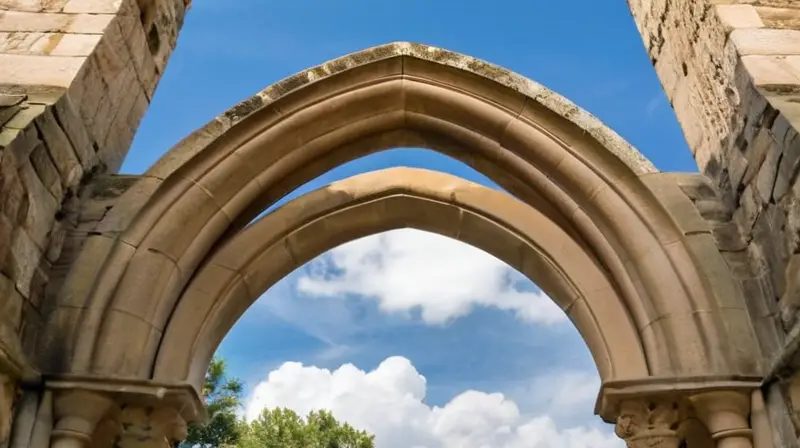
613, 392
136, 391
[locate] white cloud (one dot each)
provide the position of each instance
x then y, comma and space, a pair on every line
389, 402
563, 394
405, 270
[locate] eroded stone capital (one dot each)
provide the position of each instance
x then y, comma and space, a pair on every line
649, 423
147, 426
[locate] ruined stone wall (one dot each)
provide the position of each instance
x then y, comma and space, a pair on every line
76, 77
731, 70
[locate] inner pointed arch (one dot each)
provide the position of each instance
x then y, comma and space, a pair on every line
262, 254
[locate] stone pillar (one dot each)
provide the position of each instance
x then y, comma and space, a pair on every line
645, 424
725, 414
7, 386
759, 421
148, 427
77, 413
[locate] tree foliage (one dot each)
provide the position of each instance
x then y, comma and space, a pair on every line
274, 428
284, 428
223, 399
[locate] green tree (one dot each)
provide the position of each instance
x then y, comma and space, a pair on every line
283, 428
276, 428
223, 398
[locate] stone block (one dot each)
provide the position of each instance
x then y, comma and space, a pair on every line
791, 204
7, 113
771, 70
43, 207
22, 143
89, 23
129, 17
92, 6
779, 18
88, 93
112, 54
780, 129
13, 21
142, 59
122, 95
757, 150
69, 118
773, 252
137, 111
26, 256
25, 116
789, 165
39, 283
766, 41
13, 200
790, 300
738, 16
765, 180
12, 303
26, 43
35, 70
58, 236
61, 151
47, 172
32, 5
6, 232
76, 45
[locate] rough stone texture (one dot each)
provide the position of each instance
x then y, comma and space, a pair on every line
76, 76
731, 71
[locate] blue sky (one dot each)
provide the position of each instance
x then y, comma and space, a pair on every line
588, 51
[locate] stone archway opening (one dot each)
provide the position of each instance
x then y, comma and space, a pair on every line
243, 268
627, 254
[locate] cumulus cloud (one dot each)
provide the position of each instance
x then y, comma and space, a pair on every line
389, 402
406, 270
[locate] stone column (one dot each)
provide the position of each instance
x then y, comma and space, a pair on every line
646, 424
148, 427
725, 414
77, 413
7, 386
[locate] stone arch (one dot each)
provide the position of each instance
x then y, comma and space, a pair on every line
240, 271
116, 303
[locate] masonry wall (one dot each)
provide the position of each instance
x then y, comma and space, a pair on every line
731, 70
76, 77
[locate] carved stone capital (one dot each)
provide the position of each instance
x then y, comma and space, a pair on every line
725, 414
128, 412
645, 423
148, 427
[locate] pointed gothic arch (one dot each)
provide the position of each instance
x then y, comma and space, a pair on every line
242, 269
115, 312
